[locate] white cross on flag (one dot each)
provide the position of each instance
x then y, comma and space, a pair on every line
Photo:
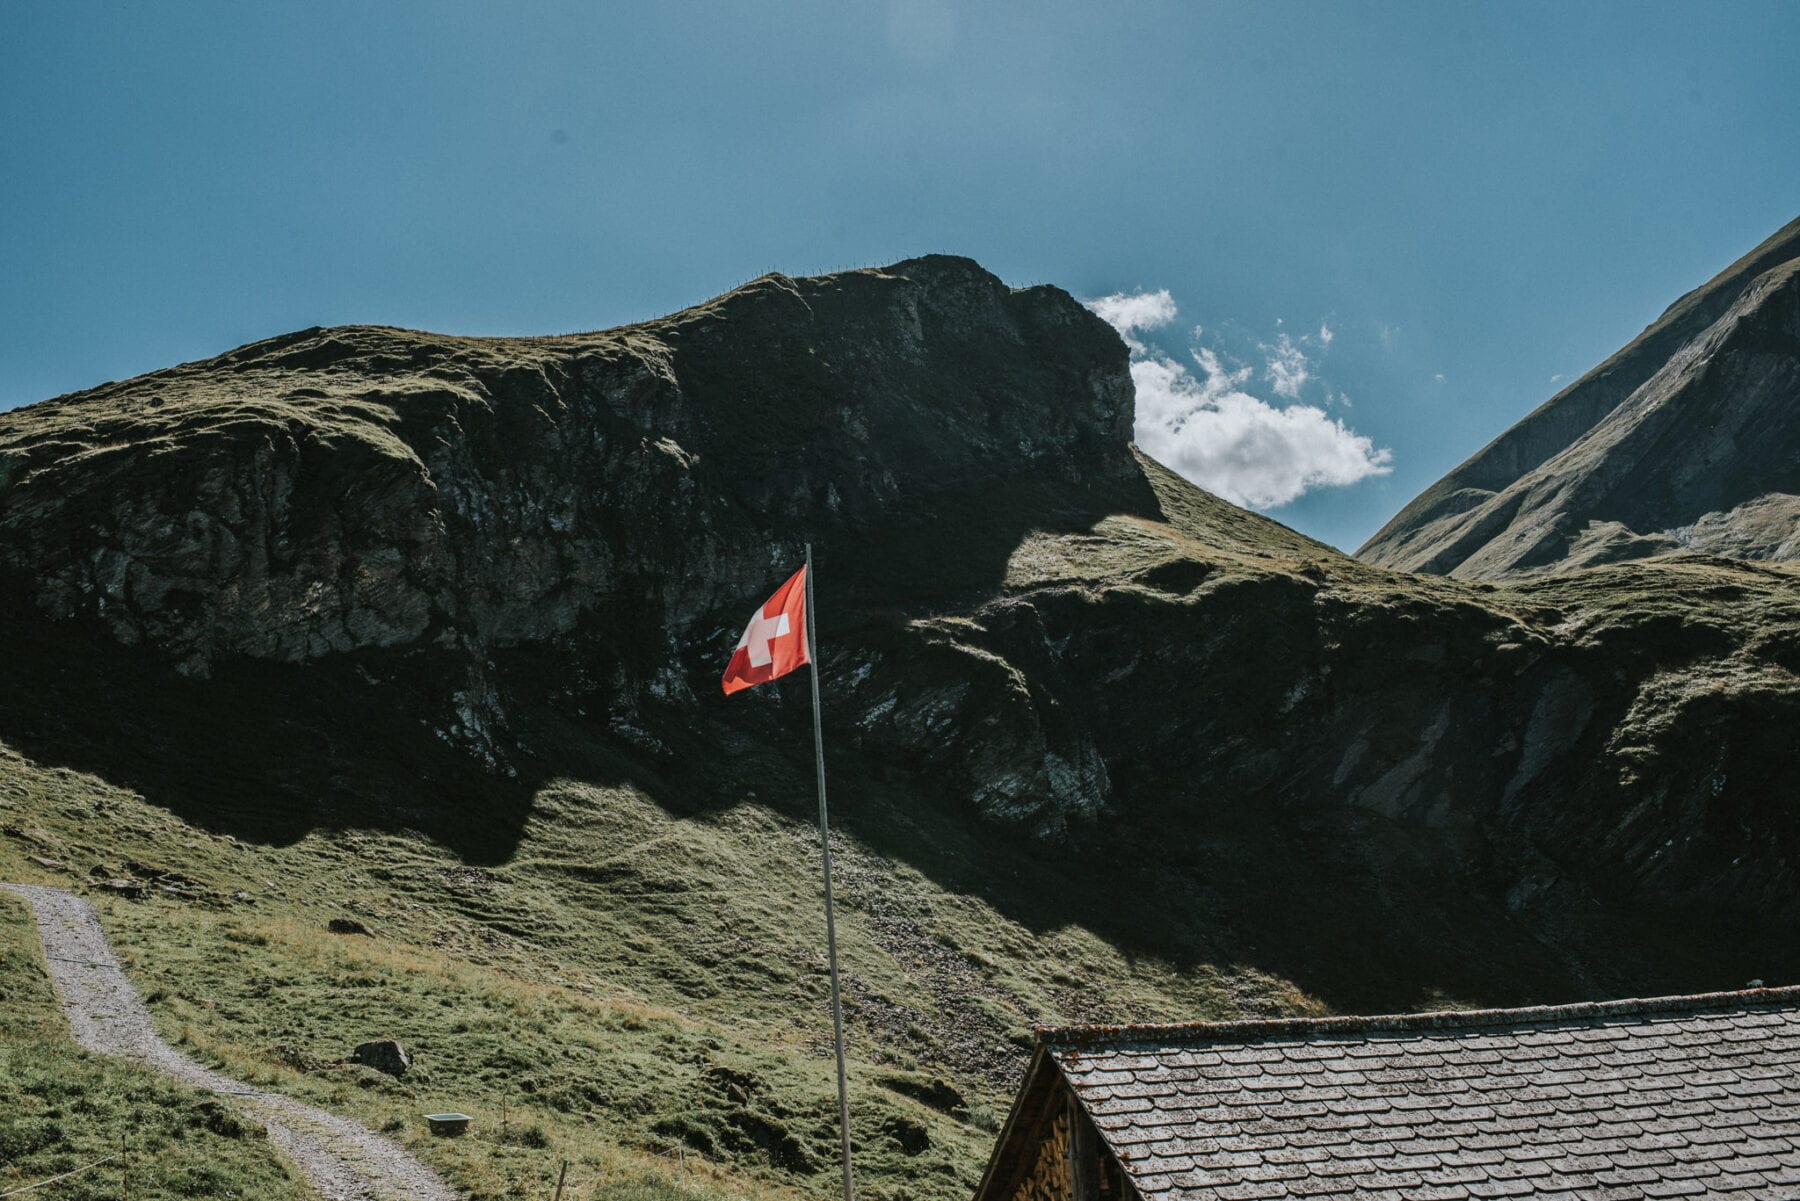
774, 643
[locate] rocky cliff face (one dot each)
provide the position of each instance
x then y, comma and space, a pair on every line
1687, 439
404, 580
341, 489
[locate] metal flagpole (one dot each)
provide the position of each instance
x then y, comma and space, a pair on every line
837, 1007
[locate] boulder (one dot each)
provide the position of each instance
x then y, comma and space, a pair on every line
384, 1055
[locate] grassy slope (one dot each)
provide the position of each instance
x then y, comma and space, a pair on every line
629, 983
61, 1108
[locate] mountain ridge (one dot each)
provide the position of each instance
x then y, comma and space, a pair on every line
1537, 498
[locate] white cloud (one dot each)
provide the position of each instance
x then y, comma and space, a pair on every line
1129, 313
1325, 335
1208, 428
1244, 449
1288, 369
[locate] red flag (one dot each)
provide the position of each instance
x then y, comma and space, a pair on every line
774, 643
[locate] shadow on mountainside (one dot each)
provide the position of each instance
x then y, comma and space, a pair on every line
1362, 911
1367, 920
267, 753
400, 738
271, 753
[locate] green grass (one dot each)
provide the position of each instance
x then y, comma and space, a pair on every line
638, 992
61, 1108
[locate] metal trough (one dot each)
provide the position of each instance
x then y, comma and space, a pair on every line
448, 1123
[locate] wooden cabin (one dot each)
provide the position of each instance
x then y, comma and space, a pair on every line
1676, 1097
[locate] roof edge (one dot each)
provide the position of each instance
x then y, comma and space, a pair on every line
1055, 1037
1036, 1072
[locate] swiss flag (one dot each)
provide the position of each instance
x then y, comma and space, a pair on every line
774, 643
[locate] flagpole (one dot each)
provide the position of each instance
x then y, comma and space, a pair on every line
837, 1006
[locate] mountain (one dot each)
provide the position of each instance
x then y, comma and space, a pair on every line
428, 630
1688, 439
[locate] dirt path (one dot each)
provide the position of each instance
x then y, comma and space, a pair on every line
344, 1160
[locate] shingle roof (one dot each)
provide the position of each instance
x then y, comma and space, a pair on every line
1683, 1096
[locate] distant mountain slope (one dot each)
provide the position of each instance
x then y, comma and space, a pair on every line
1688, 438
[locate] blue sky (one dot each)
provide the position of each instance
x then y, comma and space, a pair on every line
1476, 202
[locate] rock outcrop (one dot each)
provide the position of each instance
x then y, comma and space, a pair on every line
354, 570
1688, 439
334, 490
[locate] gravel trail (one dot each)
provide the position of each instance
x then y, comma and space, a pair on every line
344, 1160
